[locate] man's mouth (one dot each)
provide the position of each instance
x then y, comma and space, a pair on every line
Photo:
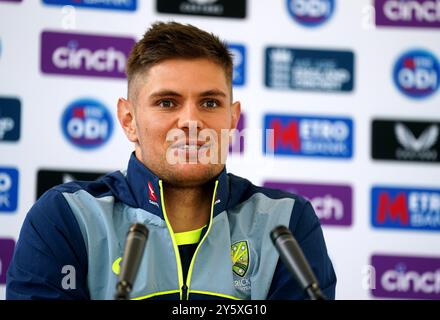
192, 145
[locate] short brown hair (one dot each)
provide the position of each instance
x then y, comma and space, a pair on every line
168, 40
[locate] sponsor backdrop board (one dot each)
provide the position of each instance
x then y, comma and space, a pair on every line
349, 91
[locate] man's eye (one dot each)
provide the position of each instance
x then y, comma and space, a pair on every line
210, 104
166, 104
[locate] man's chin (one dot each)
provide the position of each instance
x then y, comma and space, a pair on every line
192, 175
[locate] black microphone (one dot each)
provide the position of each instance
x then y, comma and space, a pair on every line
134, 249
294, 259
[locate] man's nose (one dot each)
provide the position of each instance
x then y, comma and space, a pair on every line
190, 117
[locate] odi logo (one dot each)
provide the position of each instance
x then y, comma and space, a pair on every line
8, 189
405, 208
311, 13
87, 124
416, 74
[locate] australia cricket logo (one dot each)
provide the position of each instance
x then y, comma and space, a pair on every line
240, 257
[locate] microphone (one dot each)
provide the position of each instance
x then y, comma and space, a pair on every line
294, 259
134, 248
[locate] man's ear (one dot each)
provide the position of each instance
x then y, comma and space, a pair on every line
236, 111
127, 119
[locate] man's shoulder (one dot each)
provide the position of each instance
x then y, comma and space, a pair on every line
98, 188
53, 201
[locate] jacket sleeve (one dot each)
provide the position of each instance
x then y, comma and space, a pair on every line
50, 258
306, 228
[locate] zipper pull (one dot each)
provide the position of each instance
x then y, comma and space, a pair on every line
184, 292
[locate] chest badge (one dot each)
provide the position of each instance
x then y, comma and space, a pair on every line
240, 257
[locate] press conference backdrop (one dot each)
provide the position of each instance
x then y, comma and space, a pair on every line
349, 88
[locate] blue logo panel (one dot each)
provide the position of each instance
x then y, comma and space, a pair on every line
309, 70
126, 5
308, 136
8, 189
10, 118
238, 52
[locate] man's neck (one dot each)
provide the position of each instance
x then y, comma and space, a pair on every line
188, 208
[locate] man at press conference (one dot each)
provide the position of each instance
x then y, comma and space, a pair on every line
208, 230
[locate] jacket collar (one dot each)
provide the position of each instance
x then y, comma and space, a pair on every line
145, 188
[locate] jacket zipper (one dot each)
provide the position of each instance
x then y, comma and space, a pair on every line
173, 239
189, 275
184, 294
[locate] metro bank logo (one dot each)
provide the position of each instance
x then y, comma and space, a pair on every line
127, 5
406, 277
404, 208
308, 136
84, 54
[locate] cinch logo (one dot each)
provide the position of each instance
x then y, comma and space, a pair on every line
239, 55
406, 277
10, 115
87, 124
81, 54
303, 69
404, 208
311, 13
332, 203
8, 189
6, 252
406, 140
416, 74
409, 13
213, 8
310, 136
129, 5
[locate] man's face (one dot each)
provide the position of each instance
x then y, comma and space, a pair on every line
190, 97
